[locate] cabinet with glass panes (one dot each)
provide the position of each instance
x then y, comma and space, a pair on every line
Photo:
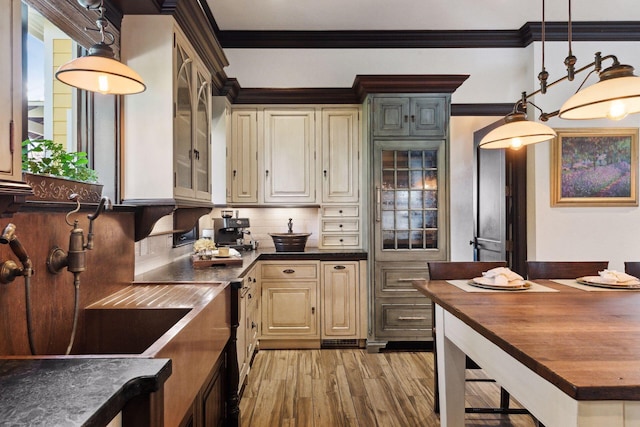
409, 223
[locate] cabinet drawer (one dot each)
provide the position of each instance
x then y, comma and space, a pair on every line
395, 281
289, 271
403, 319
340, 225
339, 240
340, 211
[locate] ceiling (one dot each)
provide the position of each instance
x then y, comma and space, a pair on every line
342, 15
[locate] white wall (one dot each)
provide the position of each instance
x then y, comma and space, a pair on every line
496, 76
578, 233
461, 182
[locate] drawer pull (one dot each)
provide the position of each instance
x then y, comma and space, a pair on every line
412, 318
339, 267
289, 271
411, 279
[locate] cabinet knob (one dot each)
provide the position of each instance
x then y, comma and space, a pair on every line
313, 310
266, 173
234, 173
413, 118
340, 226
254, 325
406, 118
324, 173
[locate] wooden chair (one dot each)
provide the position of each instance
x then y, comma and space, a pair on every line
564, 269
632, 268
466, 270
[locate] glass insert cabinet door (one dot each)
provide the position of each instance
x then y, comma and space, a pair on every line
410, 200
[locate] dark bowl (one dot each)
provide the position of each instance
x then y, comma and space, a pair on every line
290, 242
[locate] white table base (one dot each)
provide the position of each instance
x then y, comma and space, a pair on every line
546, 402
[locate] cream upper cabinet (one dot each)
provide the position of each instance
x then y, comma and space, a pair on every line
289, 155
10, 93
340, 155
192, 122
169, 125
243, 157
303, 155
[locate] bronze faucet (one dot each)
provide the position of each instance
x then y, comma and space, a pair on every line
75, 258
9, 269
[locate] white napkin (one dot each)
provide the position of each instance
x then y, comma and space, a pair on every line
612, 276
503, 276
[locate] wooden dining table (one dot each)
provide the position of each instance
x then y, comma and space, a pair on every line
570, 356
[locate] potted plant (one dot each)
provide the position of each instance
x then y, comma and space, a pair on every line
54, 173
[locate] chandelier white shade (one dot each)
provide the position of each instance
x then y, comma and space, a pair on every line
516, 133
98, 73
616, 95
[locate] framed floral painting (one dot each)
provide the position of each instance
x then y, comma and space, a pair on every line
595, 167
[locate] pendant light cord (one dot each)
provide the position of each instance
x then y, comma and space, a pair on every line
570, 60
543, 76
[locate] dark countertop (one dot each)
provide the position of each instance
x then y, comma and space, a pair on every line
181, 270
74, 391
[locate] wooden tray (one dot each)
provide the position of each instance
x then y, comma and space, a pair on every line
204, 263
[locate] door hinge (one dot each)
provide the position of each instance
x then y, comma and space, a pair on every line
508, 245
507, 191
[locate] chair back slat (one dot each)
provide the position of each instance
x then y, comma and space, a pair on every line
564, 269
461, 269
632, 268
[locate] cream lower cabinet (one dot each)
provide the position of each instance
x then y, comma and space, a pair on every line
290, 305
249, 321
340, 296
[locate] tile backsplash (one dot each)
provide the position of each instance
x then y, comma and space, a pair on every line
157, 249
272, 220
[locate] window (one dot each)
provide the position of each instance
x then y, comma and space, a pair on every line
77, 119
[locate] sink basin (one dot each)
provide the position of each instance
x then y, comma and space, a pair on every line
127, 331
290, 242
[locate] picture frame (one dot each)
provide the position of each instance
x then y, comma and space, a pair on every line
594, 167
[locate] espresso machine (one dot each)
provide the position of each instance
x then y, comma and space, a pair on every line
231, 232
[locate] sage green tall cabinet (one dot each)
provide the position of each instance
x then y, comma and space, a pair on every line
408, 210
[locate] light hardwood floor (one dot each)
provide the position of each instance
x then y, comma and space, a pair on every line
350, 387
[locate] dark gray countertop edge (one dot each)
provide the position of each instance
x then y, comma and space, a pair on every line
74, 391
181, 270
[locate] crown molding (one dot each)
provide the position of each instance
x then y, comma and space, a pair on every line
363, 85
430, 39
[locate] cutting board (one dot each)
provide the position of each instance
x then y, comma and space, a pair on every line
204, 263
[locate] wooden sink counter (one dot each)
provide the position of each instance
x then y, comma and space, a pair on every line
192, 318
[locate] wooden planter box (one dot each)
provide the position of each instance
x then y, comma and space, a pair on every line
48, 188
